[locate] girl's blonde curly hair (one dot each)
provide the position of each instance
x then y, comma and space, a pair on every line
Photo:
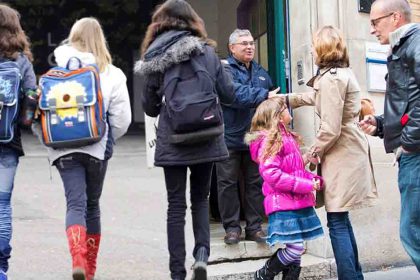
267, 117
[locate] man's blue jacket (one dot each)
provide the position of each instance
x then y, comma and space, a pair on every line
251, 88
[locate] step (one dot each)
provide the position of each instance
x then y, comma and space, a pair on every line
313, 268
220, 252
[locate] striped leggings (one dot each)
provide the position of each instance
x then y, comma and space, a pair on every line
292, 254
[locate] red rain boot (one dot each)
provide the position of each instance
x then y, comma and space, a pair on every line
92, 241
76, 235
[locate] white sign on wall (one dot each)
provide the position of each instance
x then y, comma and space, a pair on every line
376, 57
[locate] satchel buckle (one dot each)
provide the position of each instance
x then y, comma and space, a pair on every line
80, 107
53, 109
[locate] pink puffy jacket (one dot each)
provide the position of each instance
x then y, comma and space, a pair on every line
287, 184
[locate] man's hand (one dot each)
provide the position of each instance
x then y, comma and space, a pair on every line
368, 125
273, 93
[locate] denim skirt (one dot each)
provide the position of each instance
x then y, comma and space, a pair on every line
293, 226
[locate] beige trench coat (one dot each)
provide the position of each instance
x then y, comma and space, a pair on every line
342, 146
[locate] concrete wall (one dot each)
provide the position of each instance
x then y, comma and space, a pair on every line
208, 11
300, 52
415, 5
376, 228
220, 18
227, 23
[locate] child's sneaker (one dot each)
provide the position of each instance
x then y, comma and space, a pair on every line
3, 275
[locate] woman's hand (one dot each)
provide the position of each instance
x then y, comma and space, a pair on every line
274, 93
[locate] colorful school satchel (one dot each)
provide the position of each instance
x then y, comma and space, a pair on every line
71, 105
10, 78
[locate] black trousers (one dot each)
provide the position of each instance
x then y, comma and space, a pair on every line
176, 182
228, 192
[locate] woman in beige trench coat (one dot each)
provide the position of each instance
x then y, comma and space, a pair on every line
340, 146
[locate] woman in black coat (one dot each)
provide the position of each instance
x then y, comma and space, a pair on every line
175, 41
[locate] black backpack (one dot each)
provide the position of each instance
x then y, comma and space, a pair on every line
192, 103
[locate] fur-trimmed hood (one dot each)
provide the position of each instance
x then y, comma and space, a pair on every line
252, 136
167, 49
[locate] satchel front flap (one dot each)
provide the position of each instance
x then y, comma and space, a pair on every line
9, 83
62, 88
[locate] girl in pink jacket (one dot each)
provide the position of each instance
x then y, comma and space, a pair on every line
288, 189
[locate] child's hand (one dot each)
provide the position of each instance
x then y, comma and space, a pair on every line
37, 114
312, 158
316, 184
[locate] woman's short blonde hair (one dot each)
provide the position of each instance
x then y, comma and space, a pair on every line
330, 48
86, 35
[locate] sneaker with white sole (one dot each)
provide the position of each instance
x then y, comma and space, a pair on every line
200, 264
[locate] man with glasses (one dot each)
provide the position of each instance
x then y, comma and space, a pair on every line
252, 86
399, 126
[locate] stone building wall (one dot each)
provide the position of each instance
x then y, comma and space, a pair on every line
415, 6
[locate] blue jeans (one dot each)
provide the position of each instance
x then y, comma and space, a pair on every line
344, 246
83, 178
409, 184
8, 163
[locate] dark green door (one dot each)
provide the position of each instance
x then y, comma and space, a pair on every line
277, 42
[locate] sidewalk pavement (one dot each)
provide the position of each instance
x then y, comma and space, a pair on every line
406, 273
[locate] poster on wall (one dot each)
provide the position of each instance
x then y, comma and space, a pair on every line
376, 70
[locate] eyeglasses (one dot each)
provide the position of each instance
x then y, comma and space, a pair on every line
374, 22
245, 43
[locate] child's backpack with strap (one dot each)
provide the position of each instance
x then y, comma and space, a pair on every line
71, 105
10, 78
192, 103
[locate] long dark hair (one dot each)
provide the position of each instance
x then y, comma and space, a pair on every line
174, 15
13, 39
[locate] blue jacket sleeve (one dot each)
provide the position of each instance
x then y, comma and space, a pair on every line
245, 95
223, 80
